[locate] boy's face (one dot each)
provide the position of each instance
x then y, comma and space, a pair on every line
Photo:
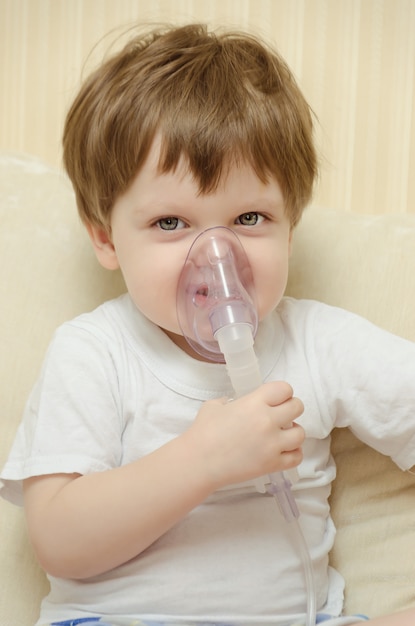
154, 223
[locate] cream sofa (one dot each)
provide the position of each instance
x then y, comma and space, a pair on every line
49, 274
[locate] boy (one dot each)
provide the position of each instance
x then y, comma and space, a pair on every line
138, 476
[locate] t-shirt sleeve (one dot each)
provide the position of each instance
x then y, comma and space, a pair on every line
72, 421
366, 379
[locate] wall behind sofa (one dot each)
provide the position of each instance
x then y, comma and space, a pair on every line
354, 59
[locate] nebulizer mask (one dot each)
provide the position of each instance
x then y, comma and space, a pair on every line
218, 317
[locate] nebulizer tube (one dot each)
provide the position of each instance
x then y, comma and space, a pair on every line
218, 318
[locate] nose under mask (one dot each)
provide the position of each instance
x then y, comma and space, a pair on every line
215, 290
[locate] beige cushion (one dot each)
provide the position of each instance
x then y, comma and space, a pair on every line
49, 274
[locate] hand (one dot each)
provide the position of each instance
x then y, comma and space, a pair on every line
251, 436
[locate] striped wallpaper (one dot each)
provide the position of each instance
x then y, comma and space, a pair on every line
355, 60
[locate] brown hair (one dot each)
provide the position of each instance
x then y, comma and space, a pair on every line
215, 99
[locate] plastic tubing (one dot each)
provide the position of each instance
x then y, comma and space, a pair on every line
218, 318
236, 343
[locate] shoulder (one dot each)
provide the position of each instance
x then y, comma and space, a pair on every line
102, 326
90, 344
309, 314
327, 329
101, 321
339, 342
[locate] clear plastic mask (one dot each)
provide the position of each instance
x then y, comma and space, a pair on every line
215, 289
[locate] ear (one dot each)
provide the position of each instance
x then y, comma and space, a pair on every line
103, 246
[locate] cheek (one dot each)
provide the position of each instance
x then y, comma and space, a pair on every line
154, 282
151, 281
270, 278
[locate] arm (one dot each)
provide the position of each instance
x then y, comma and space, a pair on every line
366, 377
82, 526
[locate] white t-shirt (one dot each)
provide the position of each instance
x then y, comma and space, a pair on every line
113, 388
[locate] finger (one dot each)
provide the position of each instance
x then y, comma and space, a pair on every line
277, 392
293, 438
284, 414
291, 458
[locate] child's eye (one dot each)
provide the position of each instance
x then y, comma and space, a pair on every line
249, 219
170, 223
